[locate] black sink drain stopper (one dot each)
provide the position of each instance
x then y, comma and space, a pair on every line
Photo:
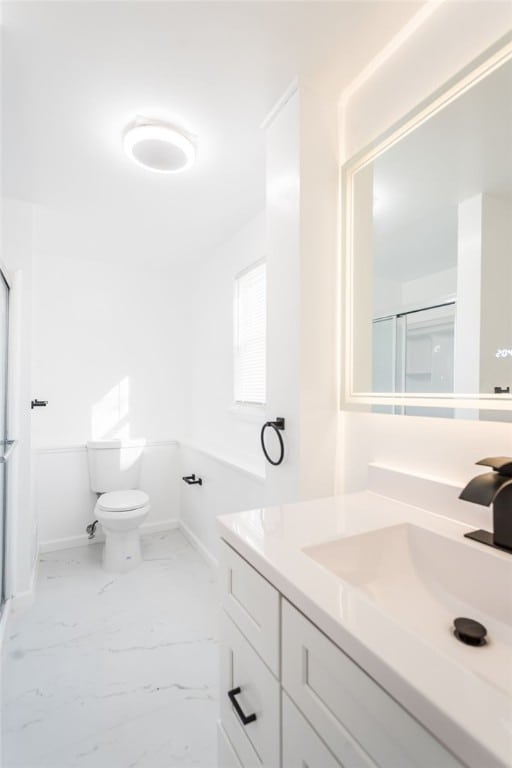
469, 631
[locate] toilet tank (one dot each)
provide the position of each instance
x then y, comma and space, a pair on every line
114, 465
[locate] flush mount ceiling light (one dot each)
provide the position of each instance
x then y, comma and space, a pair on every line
159, 147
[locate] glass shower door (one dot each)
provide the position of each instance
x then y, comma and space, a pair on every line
429, 350
414, 352
430, 355
6, 446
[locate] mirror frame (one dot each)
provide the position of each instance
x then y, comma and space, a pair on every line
493, 58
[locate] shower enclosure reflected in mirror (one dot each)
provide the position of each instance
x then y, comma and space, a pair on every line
428, 254
6, 445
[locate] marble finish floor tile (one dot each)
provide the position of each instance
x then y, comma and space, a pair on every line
114, 671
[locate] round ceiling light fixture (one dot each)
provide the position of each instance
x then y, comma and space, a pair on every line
159, 147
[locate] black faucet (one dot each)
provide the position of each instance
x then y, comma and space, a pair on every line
493, 488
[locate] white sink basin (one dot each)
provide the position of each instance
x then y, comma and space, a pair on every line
424, 581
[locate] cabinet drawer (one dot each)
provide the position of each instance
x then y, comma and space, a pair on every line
347, 708
253, 604
302, 747
226, 755
257, 743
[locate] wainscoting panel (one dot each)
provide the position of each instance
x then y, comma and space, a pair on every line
227, 487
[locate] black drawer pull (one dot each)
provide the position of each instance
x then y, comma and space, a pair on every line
245, 719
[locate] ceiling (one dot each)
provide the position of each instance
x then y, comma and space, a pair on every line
75, 74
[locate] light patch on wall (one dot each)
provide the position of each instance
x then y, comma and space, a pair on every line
110, 416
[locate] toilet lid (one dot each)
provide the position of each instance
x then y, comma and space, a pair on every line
122, 501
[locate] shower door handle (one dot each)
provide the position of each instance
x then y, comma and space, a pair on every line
38, 403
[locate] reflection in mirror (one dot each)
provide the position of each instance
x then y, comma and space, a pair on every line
431, 254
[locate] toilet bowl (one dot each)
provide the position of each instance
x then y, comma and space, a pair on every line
120, 513
114, 471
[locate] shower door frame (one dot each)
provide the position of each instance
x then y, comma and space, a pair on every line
8, 445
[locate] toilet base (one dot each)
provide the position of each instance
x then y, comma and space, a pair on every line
122, 551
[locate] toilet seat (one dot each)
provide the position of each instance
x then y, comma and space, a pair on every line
122, 501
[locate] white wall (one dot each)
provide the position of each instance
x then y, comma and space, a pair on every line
108, 346
430, 289
283, 295
207, 365
319, 284
221, 442
446, 448
392, 297
301, 178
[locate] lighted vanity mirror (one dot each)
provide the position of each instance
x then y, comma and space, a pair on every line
428, 254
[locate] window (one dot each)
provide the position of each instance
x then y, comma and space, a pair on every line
250, 335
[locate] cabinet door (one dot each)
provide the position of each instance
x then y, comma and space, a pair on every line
302, 747
256, 743
356, 718
253, 605
226, 755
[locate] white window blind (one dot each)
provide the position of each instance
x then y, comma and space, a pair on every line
250, 335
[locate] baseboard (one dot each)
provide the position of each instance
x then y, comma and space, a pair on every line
4, 623
163, 525
22, 601
69, 542
83, 539
198, 544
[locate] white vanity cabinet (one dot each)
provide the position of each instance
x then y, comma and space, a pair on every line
253, 604
313, 706
302, 747
241, 669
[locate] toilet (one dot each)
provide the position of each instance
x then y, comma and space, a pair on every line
114, 471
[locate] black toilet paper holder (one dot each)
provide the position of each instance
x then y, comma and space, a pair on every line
192, 480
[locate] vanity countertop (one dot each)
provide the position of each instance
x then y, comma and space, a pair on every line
462, 694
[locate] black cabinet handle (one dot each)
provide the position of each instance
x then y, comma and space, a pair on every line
192, 480
244, 719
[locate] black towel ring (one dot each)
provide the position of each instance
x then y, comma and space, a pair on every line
278, 427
